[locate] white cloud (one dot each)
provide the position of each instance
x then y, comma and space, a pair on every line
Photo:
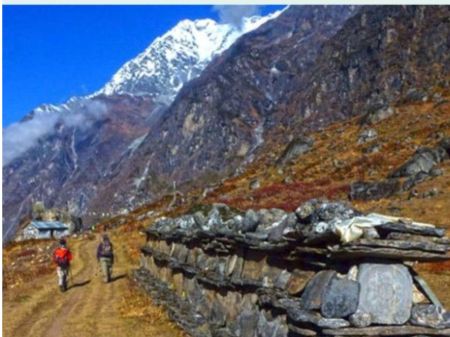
234, 14
22, 136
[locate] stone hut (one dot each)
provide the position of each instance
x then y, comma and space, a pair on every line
45, 230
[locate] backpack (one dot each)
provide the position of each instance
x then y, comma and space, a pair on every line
107, 250
61, 257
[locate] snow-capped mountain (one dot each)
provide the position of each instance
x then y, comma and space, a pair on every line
59, 154
177, 57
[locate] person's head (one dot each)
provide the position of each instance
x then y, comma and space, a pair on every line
105, 237
62, 242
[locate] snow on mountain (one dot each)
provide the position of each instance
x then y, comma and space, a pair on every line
159, 72
177, 57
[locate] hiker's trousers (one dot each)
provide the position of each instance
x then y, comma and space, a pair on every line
62, 275
106, 265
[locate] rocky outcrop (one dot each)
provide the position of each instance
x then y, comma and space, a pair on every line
423, 161
296, 148
219, 277
420, 167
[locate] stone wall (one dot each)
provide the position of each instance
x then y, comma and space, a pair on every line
271, 273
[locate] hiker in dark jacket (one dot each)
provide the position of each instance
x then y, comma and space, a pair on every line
62, 257
105, 256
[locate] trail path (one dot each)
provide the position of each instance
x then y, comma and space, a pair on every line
88, 308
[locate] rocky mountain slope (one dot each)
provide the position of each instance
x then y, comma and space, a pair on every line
59, 154
305, 69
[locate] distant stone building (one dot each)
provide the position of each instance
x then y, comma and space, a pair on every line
44, 230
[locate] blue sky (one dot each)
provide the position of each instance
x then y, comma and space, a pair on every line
51, 53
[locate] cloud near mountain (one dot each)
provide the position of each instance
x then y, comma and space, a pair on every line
21, 136
234, 14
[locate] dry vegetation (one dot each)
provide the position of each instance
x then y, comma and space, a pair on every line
335, 161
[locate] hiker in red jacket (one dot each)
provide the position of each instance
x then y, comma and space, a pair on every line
62, 257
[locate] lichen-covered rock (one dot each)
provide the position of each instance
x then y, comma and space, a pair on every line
385, 293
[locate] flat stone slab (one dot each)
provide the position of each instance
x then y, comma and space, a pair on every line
340, 298
385, 293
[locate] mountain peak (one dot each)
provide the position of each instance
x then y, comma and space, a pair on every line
177, 57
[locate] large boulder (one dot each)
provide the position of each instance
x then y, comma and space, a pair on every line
385, 293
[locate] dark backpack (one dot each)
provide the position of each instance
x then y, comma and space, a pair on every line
107, 250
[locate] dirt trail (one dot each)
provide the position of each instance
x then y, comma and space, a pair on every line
88, 308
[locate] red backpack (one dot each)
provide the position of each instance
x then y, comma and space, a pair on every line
62, 257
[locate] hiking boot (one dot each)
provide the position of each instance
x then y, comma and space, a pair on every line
62, 288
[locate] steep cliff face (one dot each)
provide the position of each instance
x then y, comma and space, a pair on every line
311, 66
383, 56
